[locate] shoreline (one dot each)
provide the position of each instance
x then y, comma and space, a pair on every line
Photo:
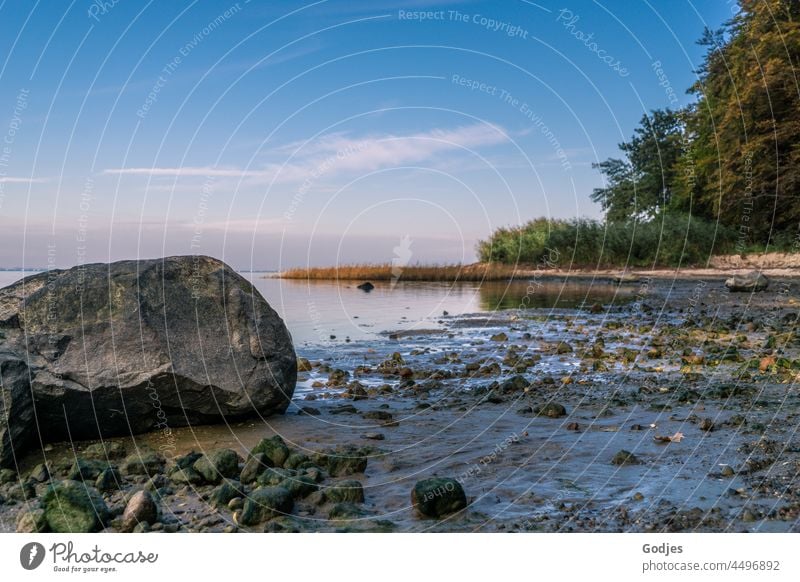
781, 265
534, 415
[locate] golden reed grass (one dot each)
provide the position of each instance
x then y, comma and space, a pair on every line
388, 272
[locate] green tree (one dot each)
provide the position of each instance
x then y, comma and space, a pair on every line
743, 165
642, 185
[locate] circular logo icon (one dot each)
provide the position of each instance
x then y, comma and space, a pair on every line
31, 556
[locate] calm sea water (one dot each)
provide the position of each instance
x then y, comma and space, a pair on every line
316, 310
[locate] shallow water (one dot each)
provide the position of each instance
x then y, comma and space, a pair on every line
316, 310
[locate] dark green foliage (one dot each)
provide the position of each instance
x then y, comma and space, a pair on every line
669, 239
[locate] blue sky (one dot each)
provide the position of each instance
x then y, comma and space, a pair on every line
275, 134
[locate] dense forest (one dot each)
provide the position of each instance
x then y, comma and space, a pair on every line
718, 176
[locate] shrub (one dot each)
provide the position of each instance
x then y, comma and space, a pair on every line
669, 239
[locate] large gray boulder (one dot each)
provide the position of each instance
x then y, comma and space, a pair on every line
16, 406
747, 283
132, 346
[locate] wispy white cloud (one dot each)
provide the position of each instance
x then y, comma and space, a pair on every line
341, 153
20, 180
201, 171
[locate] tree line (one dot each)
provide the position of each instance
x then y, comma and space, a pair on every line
719, 175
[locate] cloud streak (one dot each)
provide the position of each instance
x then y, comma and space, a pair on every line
340, 153
20, 180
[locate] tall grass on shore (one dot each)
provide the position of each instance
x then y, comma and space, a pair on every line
668, 240
389, 272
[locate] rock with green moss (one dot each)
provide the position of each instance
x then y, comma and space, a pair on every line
624, 457
299, 486
144, 463
265, 503
296, 460
344, 460
316, 473
224, 493
345, 511
74, 507
438, 496
86, 469
275, 476
7, 476
40, 473
218, 465
275, 450
185, 476
563, 348
350, 491
108, 480
187, 460
551, 410
254, 466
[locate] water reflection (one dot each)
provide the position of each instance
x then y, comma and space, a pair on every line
551, 294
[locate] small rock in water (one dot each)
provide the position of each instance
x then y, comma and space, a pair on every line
624, 457
375, 436
437, 497
563, 348
707, 425
552, 410
366, 287
727, 471
499, 337
748, 516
